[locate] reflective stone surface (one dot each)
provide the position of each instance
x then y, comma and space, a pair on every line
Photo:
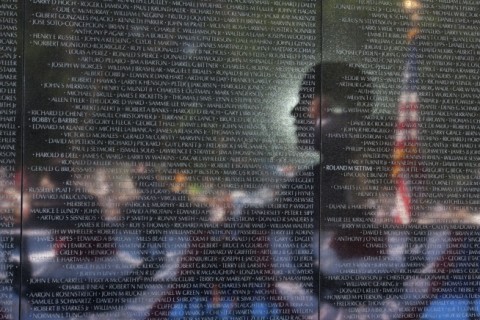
239, 159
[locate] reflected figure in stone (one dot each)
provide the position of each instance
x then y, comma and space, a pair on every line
67, 240
72, 215
63, 232
226, 273
151, 215
328, 106
12, 207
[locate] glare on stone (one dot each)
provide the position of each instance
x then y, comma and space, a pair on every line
411, 5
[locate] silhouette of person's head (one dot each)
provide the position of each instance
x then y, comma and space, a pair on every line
331, 95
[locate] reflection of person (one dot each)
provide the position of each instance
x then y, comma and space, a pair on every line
327, 106
73, 211
152, 213
82, 240
74, 221
296, 213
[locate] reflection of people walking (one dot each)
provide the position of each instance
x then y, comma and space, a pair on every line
74, 215
294, 291
227, 270
82, 240
228, 274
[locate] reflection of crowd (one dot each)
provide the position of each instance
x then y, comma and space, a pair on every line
69, 238
10, 218
156, 210
259, 261
74, 212
234, 265
244, 260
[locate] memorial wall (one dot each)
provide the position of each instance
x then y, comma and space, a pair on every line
239, 159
